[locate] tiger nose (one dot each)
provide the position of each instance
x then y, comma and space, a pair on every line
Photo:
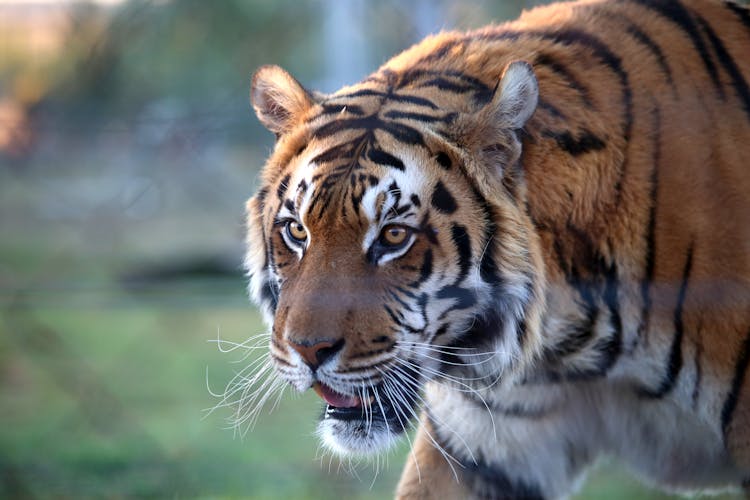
317, 352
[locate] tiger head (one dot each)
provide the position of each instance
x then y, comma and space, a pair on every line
389, 245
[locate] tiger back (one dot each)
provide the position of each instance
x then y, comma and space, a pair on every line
531, 240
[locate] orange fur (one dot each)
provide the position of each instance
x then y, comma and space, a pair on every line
627, 219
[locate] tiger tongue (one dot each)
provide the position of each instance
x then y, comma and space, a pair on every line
333, 398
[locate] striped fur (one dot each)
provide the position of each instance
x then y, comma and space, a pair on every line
573, 189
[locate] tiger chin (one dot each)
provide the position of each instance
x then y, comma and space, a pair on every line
529, 241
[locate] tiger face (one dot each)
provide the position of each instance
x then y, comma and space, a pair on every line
389, 229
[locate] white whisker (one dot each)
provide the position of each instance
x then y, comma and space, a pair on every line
409, 379
392, 390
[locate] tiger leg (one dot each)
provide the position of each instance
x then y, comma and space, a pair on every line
427, 475
491, 455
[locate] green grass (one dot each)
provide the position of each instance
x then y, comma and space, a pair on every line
109, 401
102, 394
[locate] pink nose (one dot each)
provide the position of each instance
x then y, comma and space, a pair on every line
315, 353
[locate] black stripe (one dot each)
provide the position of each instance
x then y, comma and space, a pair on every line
462, 242
726, 60
412, 99
270, 285
408, 77
586, 141
741, 11
341, 151
465, 84
482, 479
335, 109
675, 12
550, 108
698, 369
606, 56
360, 93
403, 133
485, 328
442, 330
491, 481
444, 160
570, 79
740, 369
577, 336
651, 45
650, 253
440, 51
582, 38
674, 363
416, 100
382, 158
269, 293
464, 298
601, 51
283, 186
418, 116
261, 197
446, 85
443, 200
425, 270
613, 62
280, 360
521, 329
488, 269
326, 201
336, 126
396, 316
612, 347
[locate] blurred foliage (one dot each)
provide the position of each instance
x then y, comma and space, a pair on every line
193, 58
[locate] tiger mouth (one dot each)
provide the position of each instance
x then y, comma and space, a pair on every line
377, 409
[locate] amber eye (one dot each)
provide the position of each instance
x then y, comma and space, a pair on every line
394, 235
296, 231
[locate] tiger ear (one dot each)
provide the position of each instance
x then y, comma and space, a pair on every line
278, 99
516, 96
489, 134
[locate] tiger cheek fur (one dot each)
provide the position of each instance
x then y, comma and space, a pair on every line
532, 241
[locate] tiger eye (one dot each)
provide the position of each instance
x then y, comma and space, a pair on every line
296, 231
394, 235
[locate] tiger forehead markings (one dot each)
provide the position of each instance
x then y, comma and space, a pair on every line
531, 241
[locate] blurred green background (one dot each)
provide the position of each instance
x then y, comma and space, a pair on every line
127, 149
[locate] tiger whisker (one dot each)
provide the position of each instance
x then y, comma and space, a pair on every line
249, 401
439, 374
468, 389
458, 381
251, 416
408, 439
466, 365
416, 386
392, 390
453, 363
233, 346
444, 347
239, 382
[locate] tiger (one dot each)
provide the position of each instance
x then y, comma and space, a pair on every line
530, 242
